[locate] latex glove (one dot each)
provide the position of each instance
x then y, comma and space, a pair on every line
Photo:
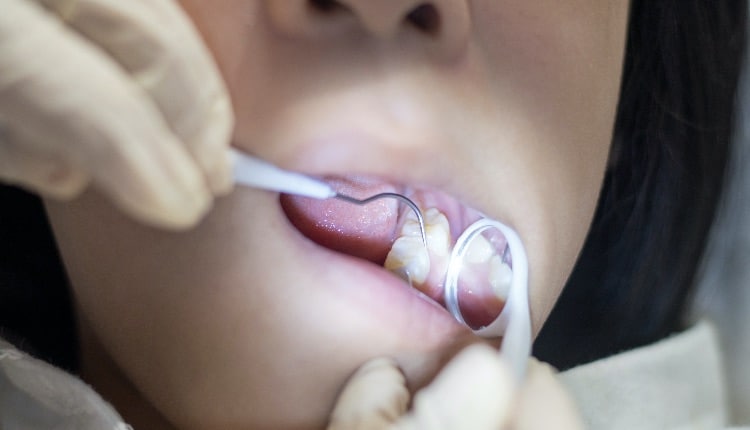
475, 390
122, 95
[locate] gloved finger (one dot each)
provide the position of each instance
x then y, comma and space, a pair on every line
155, 41
474, 391
41, 167
82, 108
44, 175
374, 397
544, 403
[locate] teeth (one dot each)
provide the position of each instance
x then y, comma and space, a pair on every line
437, 231
480, 250
500, 277
408, 257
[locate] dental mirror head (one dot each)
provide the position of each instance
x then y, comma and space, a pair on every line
488, 270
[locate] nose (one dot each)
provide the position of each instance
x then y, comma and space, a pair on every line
441, 25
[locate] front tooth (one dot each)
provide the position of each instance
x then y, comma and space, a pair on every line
408, 257
500, 277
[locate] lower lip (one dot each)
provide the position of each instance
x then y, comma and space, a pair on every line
371, 288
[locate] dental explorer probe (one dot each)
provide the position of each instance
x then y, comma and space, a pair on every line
256, 173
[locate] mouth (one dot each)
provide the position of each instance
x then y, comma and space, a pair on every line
387, 234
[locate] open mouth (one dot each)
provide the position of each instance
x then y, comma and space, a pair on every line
386, 233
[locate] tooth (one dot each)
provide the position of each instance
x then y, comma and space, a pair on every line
480, 250
409, 257
411, 227
500, 277
437, 231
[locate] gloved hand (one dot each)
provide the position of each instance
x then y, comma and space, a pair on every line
476, 390
122, 95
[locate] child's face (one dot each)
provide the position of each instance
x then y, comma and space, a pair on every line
507, 106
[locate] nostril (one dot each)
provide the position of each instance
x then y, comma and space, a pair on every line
382, 19
326, 6
425, 17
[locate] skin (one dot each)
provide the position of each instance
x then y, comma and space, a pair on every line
240, 323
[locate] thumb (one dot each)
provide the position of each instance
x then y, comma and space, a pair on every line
474, 391
374, 397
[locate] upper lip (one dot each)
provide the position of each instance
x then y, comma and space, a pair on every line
346, 153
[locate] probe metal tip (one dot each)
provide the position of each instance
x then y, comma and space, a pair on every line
405, 200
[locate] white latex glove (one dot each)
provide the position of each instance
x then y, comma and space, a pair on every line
476, 390
119, 94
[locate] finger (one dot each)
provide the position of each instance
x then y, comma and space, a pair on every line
155, 41
38, 173
474, 391
425, 370
374, 397
544, 403
85, 110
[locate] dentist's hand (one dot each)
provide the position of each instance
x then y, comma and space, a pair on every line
476, 390
120, 95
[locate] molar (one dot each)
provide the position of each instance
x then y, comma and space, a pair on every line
408, 257
480, 250
500, 277
437, 231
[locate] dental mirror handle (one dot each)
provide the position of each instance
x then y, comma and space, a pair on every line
256, 173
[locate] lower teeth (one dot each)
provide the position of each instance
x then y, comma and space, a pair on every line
500, 277
409, 259
488, 269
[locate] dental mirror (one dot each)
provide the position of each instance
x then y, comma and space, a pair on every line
488, 270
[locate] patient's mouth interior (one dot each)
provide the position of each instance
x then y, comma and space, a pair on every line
386, 233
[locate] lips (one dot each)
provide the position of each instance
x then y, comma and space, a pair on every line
368, 232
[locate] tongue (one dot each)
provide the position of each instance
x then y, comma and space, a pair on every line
365, 232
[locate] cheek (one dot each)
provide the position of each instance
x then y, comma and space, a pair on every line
227, 323
556, 69
550, 193
191, 320
227, 27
